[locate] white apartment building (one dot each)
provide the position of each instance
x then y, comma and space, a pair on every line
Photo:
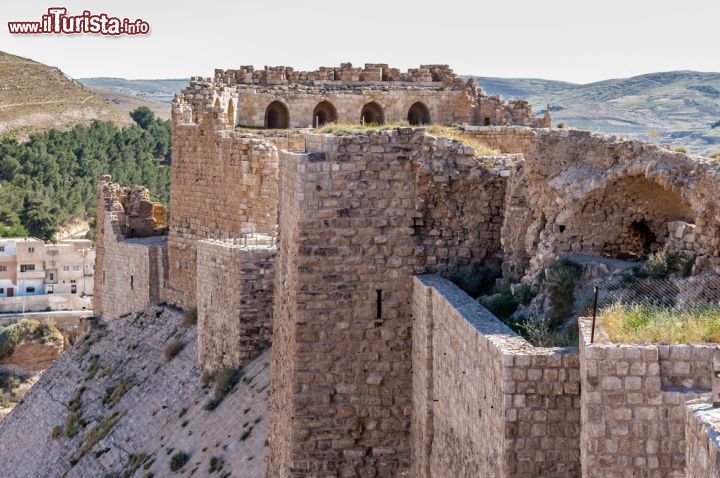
29, 267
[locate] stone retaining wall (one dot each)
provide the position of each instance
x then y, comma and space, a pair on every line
234, 305
486, 402
633, 404
702, 437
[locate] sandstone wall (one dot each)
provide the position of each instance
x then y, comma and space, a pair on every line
487, 403
223, 185
354, 230
702, 438
129, 273
235, 297
579, 192
633, 404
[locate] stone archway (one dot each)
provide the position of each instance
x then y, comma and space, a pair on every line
277, 116
323, 114
372, 113
418, 114
628, 219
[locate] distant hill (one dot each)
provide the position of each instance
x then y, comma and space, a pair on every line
35, 96
161, 91
520, 88
128, 102
678, 108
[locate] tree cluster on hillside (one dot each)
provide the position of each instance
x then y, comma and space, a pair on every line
51, 179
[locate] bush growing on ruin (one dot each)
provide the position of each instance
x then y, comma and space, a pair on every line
661, 265
559, 284
681, 149
173, 348
477, 281
178, 460
561, 125
502, 305
225, 382
190, 317
9, 339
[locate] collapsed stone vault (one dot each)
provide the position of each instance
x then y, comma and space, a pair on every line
375, 373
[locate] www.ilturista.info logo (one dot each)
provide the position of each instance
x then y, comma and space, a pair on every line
57, 21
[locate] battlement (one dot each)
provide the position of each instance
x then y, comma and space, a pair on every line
426, 76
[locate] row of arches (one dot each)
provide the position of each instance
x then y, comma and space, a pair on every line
277, 114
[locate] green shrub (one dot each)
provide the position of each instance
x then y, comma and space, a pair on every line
178, 460
681, 149
559, 284
524, 294
216, 464
225, 381
502, 305
561, 125
660, 265
190, 317
477, 281
114, 393
173, 348
9, 339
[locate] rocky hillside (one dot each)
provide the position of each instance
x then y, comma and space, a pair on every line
680, 108
36, 96
129, 400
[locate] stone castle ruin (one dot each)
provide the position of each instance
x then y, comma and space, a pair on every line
332, 250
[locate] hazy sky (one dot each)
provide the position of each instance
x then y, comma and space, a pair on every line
579, 41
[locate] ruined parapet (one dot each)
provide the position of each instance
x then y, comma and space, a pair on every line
131, 251
235, 296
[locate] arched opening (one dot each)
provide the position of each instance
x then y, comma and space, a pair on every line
231, 114
277, 116
628, 219
372, 113
217, 102
324, 113
418, 114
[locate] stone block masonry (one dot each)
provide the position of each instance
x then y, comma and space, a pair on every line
224, 184
702, 439
361, 215
486, 402
131, 270
633, 405
235, 299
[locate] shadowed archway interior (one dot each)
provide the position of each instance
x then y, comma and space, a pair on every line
277, 116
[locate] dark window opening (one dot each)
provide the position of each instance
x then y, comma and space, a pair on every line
487, 121
30, 289
132, 282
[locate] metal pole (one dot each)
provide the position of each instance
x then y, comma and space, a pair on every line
592, 332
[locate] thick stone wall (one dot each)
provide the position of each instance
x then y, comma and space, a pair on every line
224, 184
235, 298
702, 439
485, 402
129, 273
354, 232
633, 404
